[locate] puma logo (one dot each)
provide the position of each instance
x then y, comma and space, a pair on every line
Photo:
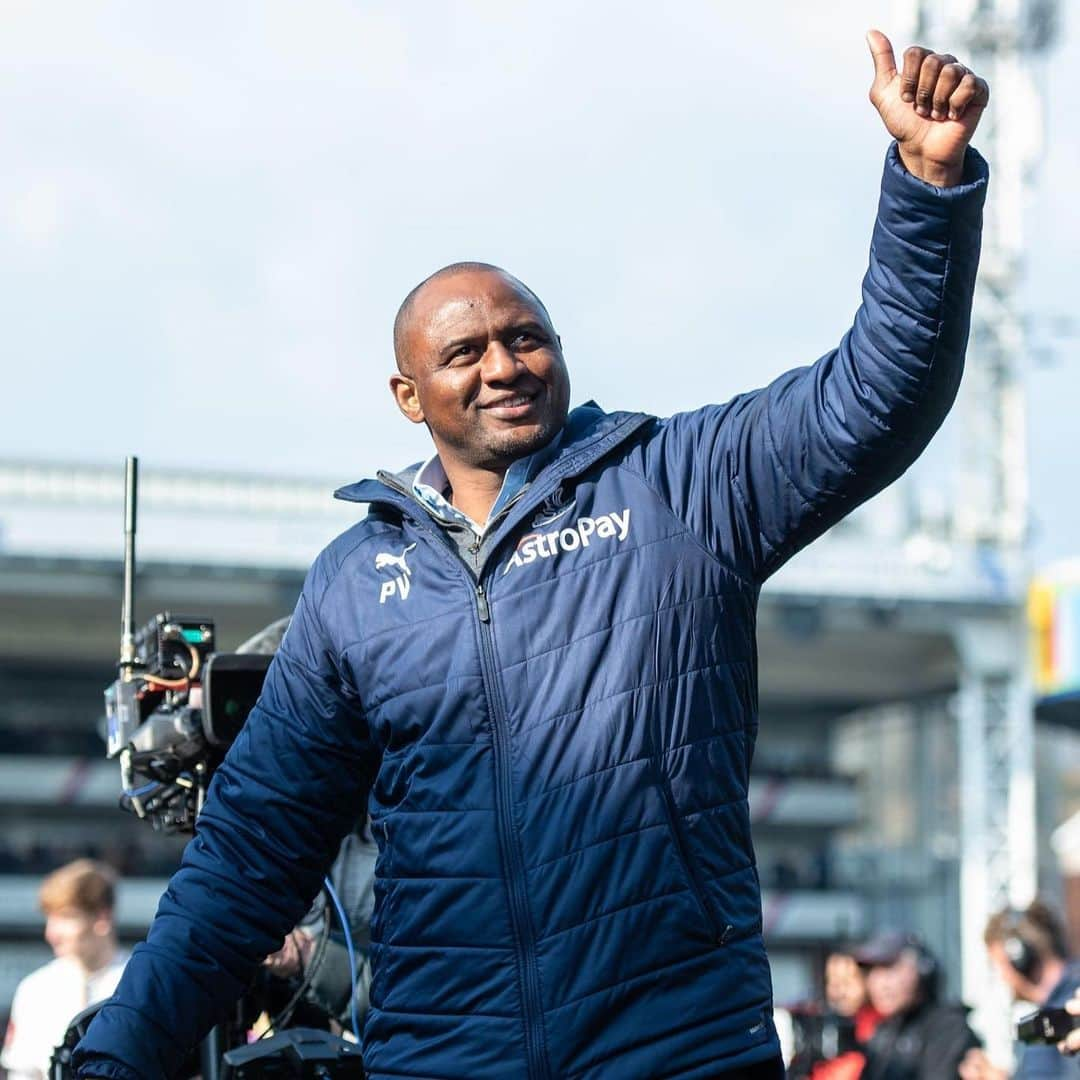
400, 584
385, 559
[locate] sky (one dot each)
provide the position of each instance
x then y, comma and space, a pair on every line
210, 212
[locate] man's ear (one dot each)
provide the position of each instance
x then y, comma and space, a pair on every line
404, 390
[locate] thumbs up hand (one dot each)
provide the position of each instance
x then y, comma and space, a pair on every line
931, 107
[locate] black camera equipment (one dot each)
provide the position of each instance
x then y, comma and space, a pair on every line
176, 704
172, 713
298, 1052
1047, 1027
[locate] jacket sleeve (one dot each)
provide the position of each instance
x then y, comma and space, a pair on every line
291, 787
1045, 1063
760, 477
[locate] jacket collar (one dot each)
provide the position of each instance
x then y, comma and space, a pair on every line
588, 435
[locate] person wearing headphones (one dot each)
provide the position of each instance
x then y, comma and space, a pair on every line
919, 1036
1029, 951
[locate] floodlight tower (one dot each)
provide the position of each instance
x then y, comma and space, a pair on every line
1001, 40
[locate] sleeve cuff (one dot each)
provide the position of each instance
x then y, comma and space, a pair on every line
970, 192
105, 1069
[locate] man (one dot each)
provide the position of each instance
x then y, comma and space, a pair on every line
534, 661
1028, 950
77, 901
919, 1037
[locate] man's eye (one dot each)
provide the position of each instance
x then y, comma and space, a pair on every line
525, 338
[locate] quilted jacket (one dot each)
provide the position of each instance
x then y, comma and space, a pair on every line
555, 753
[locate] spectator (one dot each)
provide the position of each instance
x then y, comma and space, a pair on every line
77, 901
919, 1037
829, 1044
1029, 951
848, 1001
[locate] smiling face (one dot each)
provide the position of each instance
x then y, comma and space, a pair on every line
481, 365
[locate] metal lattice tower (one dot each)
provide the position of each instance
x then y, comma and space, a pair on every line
1001, 40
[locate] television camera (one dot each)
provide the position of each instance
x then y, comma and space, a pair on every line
171, 714
176, 704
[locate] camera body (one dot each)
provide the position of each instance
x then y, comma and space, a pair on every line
171, 714
1047, 1027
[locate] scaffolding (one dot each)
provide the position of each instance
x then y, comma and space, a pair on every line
1001, 40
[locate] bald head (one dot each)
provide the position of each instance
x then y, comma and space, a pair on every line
412, 304
481, 365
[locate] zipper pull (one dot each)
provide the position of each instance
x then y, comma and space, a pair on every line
482, 604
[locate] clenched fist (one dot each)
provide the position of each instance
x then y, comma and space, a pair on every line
931, 108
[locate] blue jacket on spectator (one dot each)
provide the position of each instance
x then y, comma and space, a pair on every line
555, 751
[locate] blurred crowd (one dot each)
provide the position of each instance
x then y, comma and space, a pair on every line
883, 1013
884, 1016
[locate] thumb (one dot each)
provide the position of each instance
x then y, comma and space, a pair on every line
884, 60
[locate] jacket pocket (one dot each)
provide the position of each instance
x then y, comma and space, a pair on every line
718, 931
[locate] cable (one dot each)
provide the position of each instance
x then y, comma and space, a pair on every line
352, 955
138, 792
285, 1013
185, 679
158, 683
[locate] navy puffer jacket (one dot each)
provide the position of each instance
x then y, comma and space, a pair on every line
556, 755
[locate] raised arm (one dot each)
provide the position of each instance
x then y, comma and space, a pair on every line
763, 475
292, 785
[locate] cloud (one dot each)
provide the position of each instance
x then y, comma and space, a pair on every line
212, 211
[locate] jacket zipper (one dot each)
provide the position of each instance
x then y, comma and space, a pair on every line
510, 847
513, 858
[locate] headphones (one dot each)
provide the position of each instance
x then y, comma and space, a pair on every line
1021, 954
1028, 935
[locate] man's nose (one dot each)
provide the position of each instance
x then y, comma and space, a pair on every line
499, 364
